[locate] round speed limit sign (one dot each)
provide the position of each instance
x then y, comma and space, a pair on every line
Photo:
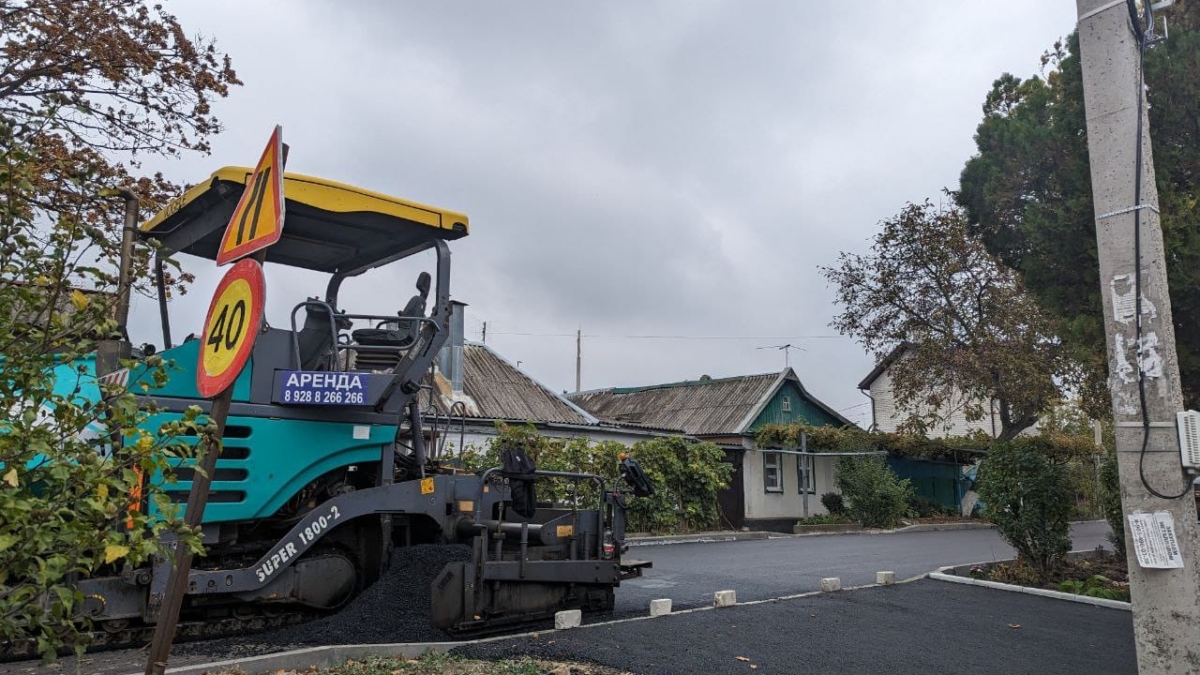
234, 318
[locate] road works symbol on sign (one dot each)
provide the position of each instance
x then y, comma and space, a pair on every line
234, 318
257, 221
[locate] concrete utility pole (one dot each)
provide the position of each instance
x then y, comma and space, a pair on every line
1166, 602
578, 357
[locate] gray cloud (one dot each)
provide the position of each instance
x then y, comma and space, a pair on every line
634, 168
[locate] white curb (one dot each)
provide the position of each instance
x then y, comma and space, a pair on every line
569, 618
1057, 595
831, 584
660, 607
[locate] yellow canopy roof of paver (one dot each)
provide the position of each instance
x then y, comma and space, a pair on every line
328, 226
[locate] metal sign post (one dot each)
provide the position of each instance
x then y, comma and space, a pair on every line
233, 322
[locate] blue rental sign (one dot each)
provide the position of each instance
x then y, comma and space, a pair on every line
306, 387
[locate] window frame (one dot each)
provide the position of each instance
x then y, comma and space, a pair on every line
777, 458
806, 484
785, 404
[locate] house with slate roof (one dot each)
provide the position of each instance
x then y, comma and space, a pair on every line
769, 489
472, 392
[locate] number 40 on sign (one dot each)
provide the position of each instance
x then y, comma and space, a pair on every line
233, 320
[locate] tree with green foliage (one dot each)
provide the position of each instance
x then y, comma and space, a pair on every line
1030, 500
86, 88
1027, 193
971, 334
875, 495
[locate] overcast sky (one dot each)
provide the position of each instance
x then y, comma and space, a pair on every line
631, 168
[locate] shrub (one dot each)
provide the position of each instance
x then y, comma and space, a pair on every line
1096, 586
687, 476
876, 496
827, 519
1110, 498
1030, 501
924, 507
833, 503
1017, 573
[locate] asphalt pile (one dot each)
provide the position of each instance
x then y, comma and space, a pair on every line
396, 608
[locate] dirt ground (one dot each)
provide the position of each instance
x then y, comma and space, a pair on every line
454, 665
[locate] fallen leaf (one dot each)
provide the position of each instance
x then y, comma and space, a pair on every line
78, 299
114, 552
742, 658
753, 667
1014, 625
11, 477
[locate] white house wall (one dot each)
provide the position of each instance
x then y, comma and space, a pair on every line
789, 503
481, 436
889, 415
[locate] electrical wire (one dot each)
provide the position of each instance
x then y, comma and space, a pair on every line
1140, 34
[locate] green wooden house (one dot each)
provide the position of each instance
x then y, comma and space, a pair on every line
769, 490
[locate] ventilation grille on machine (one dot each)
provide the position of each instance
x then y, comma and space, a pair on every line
1188, 423
376, 362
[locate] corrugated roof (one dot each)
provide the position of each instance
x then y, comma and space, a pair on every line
499, 390
698, 407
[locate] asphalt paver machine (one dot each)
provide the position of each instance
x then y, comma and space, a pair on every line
324, 468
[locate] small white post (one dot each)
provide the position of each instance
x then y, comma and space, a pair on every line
660, 607
724, 599
569, 618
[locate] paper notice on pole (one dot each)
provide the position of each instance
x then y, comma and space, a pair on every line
1154, 540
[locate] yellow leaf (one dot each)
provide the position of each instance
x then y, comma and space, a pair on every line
78, 299
42, 280
114, 552
102, 491
11, 477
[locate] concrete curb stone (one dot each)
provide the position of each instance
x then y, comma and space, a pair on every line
699, 538
1043, 592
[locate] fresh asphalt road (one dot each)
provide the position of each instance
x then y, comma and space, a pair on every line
770, 568
910, 629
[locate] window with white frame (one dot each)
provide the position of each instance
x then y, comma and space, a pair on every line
787, 404
772, 472
805, 481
